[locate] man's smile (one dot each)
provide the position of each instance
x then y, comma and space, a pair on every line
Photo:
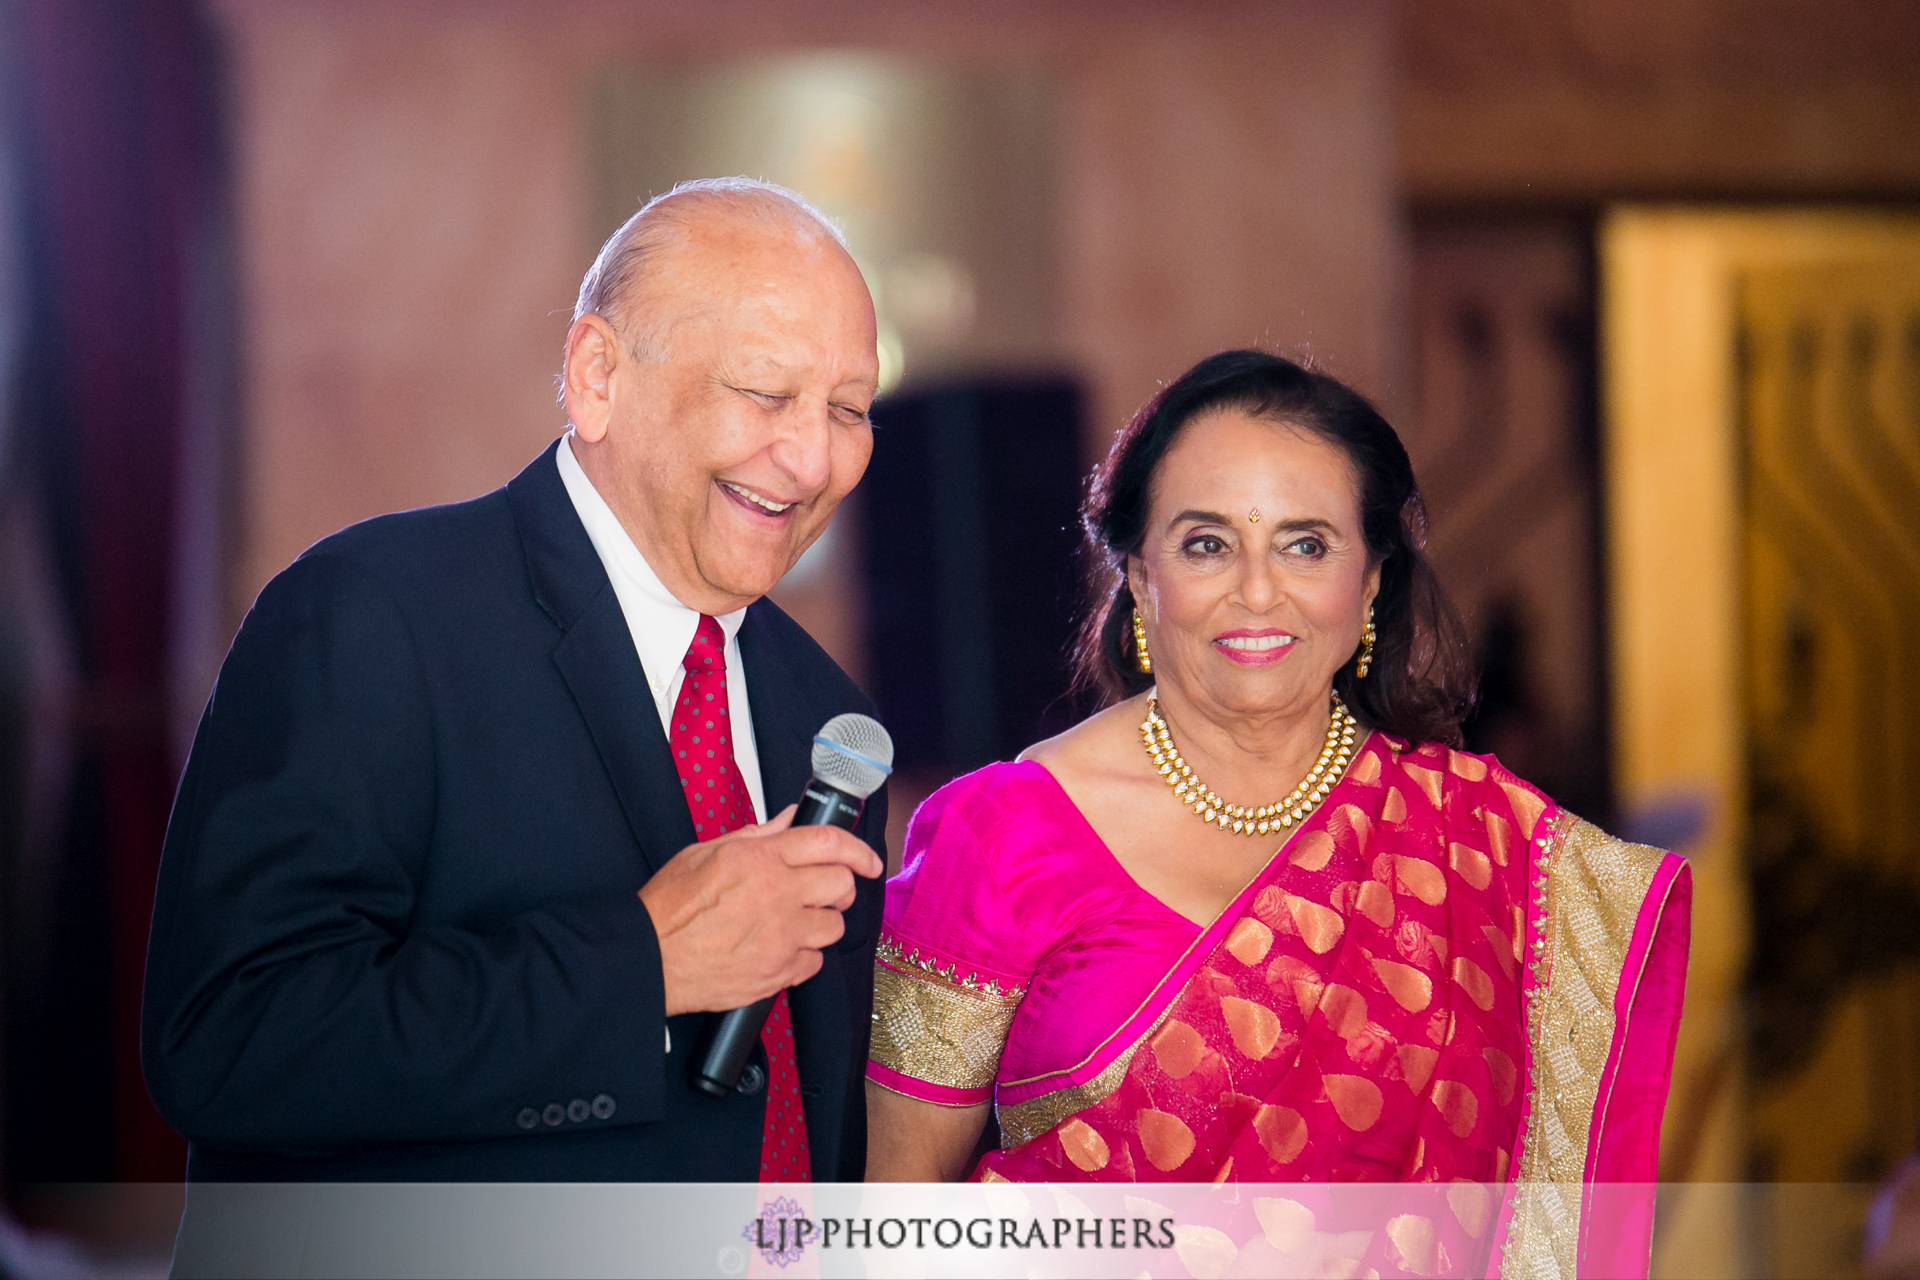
756, 501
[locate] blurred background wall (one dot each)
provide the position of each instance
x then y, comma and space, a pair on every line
272, 266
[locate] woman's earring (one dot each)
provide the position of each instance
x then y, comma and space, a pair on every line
1367, 637
1140, 654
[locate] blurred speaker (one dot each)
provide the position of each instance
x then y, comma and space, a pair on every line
970, 536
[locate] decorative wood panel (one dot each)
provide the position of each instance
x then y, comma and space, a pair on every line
1504, 445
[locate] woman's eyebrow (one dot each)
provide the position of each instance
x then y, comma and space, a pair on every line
1200, 517
1300, 524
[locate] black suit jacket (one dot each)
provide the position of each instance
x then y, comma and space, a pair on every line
396, 917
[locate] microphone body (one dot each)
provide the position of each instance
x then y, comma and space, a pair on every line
727, 1041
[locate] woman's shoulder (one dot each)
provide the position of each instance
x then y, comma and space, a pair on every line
1453, 777
1024, 791
1488, 785
986, 796
1008, 812
990, 872
1080, 758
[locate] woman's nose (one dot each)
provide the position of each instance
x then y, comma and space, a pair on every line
1259, 584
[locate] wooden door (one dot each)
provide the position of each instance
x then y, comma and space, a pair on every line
1762, 442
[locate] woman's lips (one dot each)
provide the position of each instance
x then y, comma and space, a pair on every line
1255, 650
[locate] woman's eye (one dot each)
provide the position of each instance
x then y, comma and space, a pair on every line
1308, 546
1206, 545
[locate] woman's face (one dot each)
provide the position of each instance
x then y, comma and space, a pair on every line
1253, 577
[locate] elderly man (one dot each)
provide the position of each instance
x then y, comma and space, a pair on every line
475, 830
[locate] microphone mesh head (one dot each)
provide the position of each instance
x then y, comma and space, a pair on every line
852, 752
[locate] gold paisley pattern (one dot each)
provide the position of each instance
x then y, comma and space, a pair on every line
1461, 765
1406, 984
1416, 1065
1473, 865
1250, 941
1282, 1131
1311, 851
1472, 1206
1254, 1027
1415, 1248
1178, 1048
1356, 1100
1165, 1138
1084, 1146
1428, 780
1419, 878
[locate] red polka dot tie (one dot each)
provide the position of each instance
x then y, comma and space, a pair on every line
717, 800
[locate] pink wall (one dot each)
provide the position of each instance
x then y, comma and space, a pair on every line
415, 211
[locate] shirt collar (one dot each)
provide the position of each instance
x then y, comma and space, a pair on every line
662, 626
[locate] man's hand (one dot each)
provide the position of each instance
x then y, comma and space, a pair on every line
745, 915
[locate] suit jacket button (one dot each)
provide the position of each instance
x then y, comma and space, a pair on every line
752, 1079
527, 1118
603, 1107
554, 1113
577, 1110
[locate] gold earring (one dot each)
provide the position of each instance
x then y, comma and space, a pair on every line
1140, 654
1367, 637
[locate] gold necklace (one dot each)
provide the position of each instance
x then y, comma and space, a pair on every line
1199, 797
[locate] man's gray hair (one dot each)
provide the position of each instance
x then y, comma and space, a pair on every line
609, 288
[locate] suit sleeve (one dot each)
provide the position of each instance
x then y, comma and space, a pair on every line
290, 1005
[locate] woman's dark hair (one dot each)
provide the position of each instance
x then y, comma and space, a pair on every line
1420, 686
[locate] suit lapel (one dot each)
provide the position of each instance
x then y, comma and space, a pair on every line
597, 660
782, 728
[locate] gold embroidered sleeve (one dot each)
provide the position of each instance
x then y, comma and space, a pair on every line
934, 1024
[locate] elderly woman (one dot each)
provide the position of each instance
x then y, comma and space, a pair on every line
1260, 919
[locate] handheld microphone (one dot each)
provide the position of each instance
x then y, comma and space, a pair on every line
852, 756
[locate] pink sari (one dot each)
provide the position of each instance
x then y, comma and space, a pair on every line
1440, 977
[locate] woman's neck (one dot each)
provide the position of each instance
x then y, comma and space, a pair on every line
1247, 758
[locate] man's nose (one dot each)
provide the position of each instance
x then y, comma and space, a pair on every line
804, 447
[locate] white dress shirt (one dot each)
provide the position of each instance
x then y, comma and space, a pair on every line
662, 627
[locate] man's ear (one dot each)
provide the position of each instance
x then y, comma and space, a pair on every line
593, 352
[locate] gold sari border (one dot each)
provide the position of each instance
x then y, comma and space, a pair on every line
1585, 895
1025, 1121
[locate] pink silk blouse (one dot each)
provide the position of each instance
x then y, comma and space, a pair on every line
1005, 881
